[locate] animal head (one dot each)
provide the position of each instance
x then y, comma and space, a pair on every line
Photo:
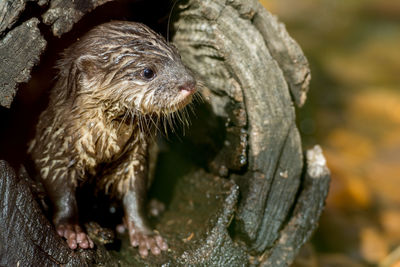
127, 64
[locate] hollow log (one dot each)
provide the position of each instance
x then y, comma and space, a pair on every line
257, 199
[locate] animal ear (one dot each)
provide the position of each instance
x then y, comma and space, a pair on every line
88, 65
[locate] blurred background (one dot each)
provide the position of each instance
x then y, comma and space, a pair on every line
353, 112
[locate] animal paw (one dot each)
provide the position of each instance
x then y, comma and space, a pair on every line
146, 241
75, 236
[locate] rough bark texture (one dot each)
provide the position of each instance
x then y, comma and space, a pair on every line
307, 209
22, 46
26, 236
19, 52
253, 74
10, 10
254, 66
63, 14
286, 52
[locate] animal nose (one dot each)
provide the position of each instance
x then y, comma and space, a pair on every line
188, 86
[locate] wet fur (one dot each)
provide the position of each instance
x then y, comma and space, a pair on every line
103, 111
100, 108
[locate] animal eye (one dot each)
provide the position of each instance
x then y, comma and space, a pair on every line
148, 73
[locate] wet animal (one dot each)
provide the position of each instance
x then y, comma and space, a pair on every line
114, 87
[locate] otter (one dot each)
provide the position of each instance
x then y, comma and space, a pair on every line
114, 85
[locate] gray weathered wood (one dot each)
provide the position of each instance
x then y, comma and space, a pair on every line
26, 237
286, 52
10, 11
251, 65
245, 68
21, 47
63, 14
305, 216
19, 52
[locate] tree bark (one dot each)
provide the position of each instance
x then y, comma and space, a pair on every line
20, 50
256, 66
63, 14
27, 238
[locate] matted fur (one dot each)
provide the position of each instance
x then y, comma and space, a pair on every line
103, 109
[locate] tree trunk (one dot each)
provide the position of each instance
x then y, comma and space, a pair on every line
257, 201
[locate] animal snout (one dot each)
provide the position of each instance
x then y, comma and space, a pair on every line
188, 86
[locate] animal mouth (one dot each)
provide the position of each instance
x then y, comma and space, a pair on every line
184, 98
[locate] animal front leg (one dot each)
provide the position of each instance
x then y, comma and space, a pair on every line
140, 233
135, 181
65, 213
